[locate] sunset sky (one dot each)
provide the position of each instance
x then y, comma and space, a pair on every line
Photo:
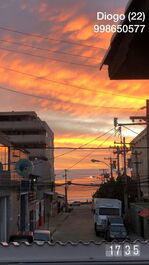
78, 100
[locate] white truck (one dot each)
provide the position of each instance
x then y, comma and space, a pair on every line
103, 208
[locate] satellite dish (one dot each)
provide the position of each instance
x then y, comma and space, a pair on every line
24, 167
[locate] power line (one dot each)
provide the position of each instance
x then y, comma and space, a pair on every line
88, 154
51, 99
74, 149
80, 149
48, 50
81, 146
47, 38
70, 147
46, 58
74, 86
17, 183
130, 129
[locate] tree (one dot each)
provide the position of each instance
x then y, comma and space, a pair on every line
115, 189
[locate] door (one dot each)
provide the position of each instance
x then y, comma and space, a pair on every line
142, 226
3, 218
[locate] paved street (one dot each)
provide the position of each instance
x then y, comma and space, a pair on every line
77, 226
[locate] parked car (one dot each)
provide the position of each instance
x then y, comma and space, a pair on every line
26, 237
115, 220
116, 232
41, 236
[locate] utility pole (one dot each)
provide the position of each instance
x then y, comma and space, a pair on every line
66, 188
118, 152
111, 166
125, 178
137, 174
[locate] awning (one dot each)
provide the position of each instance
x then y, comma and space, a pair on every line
144, 212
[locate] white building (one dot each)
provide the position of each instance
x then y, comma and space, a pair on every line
139, 144
26, 130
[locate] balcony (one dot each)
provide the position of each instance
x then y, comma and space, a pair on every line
28, 139
21, 125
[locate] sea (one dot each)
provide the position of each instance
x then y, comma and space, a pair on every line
83, 177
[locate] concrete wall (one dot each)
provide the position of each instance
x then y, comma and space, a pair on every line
4, 218
14, 209
140, 141
140, 225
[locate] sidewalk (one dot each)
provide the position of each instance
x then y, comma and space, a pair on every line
55, 222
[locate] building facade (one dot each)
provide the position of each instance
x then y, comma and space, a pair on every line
139, 211
26, 130
139, 145
10, 188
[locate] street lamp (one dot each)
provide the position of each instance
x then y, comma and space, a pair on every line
99, 161
109, 165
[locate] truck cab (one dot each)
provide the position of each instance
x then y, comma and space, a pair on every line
104, 208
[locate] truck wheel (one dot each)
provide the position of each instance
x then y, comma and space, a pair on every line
97, 232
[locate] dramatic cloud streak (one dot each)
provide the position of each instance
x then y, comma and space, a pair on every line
64, 29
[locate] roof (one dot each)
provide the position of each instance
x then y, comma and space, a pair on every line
69, 253
127, 57
18, 113
139, 137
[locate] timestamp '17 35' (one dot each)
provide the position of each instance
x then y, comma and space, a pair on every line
122, 250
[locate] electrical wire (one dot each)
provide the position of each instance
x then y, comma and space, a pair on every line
48, 50
88, 154
81, 146
59, 100
17, 183
69, 147
47, 38
74, 86
130, 129
46, 58
74, 149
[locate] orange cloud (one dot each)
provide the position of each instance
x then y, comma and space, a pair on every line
76, 24
101, 99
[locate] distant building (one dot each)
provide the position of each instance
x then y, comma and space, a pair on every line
139, 144
26, 130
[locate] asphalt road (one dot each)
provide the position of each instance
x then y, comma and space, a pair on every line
78, 226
